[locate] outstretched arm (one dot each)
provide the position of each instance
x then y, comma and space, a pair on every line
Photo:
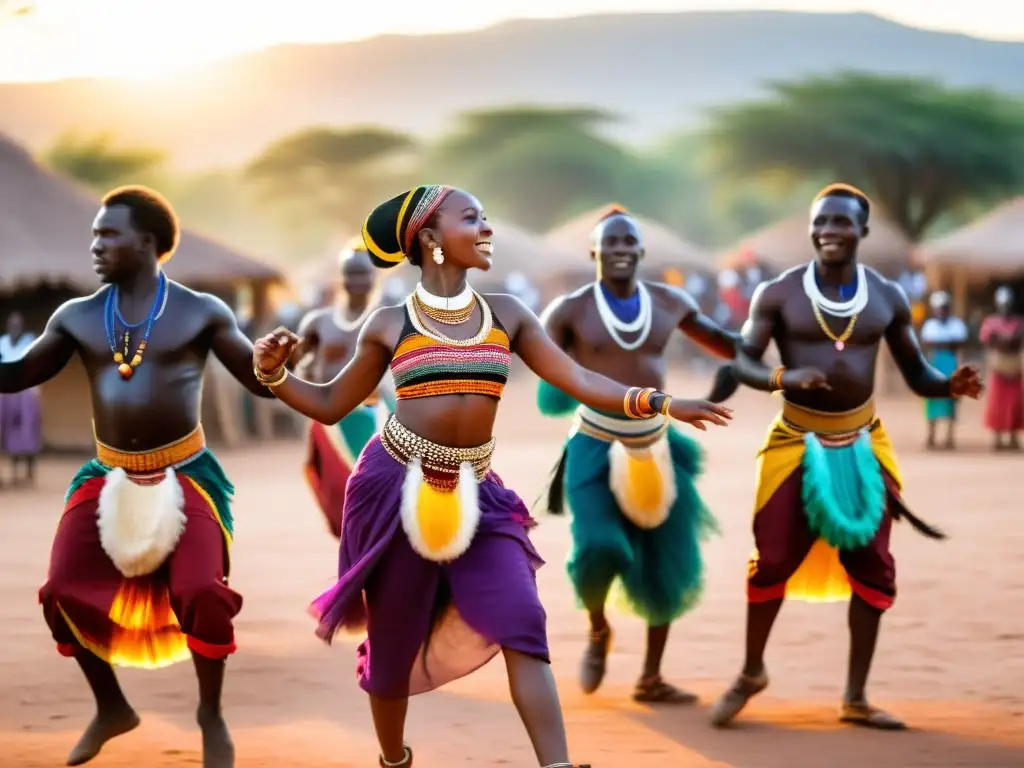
329, 403
43, 360
546, 359
756, 335
922, 378
705, 331
231, 347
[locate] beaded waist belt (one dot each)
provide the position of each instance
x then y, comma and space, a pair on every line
833, 426
633, 433
155, 460
440, 463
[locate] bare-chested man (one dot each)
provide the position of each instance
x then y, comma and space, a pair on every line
139, 565
636, 514
828, 482
329, 336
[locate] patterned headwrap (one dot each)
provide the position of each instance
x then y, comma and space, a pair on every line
391, 228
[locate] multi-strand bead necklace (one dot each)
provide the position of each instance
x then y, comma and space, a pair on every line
127, 362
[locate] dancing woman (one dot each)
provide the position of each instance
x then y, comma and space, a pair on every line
432, 539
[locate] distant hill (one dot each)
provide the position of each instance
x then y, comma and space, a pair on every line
661, 70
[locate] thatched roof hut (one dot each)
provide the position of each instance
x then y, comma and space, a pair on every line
786, 244
45, 225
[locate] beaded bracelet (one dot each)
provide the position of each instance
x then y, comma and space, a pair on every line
273, 379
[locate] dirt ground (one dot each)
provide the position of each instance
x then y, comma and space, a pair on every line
950, 660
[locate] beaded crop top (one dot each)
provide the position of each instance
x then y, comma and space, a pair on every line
426, 363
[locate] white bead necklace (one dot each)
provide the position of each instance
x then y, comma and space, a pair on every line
451, 303
837, 308
614, 325
350, 325
486, 323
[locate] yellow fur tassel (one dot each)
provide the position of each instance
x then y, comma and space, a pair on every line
643, 482
440, 524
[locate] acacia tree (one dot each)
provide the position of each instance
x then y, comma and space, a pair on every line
919, 149
99, 163
337, 175
534, 165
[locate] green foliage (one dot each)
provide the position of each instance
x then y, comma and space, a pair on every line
328, 176
919, 149
536, 166
99, 163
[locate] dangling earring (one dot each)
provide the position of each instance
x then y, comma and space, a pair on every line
438, 255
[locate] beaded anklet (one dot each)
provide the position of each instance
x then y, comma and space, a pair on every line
406, 759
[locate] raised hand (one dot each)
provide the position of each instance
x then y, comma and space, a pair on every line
696, 412
966, 382
805, 378
272, 351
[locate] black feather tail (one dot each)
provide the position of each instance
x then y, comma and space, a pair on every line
900, 511
555, 495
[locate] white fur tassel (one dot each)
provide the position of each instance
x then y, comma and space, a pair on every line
140, 525
468, 499
619, 480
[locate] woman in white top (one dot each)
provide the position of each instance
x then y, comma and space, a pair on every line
942, 336
21, 430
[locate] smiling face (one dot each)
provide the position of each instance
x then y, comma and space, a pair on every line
617, 247
837, 226
461, 230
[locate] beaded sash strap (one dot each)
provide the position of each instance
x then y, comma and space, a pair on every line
634, 433
832, 429
139, 464
440, 463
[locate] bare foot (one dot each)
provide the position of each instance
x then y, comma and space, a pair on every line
104, 727
218, 749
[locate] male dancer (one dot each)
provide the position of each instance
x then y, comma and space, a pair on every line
1003, 337
139, 565
636, 515
329, 336
818, 537
943, 335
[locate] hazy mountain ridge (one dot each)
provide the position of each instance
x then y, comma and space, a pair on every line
659, 70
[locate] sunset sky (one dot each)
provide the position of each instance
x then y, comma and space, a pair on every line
144, 38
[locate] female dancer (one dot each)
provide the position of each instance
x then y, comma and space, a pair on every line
432, 538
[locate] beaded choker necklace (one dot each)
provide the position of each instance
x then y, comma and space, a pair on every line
126, 364
850, 308
447, 310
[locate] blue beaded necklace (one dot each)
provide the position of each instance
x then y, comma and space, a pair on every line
126, 363
627, 310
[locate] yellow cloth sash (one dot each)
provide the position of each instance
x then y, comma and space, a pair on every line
821, 577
